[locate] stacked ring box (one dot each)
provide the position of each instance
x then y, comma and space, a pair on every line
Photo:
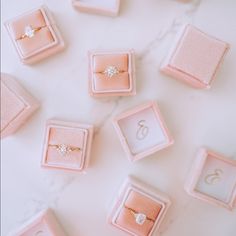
67, 145
42, 224
112, 73
35, 35
213, 179
101, 7
195, 57
17, 105
138, 209
142, 131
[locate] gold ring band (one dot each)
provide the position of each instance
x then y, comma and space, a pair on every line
64, 149
140, 218
29, 32
111, 71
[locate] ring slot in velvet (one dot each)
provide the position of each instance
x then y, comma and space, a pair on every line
119, 81
71, 137
101, 62
138, 203
10, 107
42, 38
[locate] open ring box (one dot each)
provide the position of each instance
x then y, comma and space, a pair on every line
67, 145
213, 179
142, 131
17, 105
112, 73
138, 209
102, 7
195, 57
42, 224
35, 35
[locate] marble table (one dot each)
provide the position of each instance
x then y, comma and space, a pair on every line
195, 117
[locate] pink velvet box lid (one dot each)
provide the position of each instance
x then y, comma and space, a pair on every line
121, 84
43, 224
45, 42
195, 57
142, 131
213, 179
72, 135
17, 105
138, 209
102, 7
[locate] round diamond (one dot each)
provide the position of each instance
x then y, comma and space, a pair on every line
63, 149
140, 218
111, 71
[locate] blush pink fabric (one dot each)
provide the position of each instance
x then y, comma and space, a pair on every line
141, 204
102, 7
17, 105
46, 41
198, 54
117, 82
221, 194
11, 106
44, 223
40, 227
101, 62
42, 38
72, 137
196, 58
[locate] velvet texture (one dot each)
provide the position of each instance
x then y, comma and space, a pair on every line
139, 203
41, 39
118, 82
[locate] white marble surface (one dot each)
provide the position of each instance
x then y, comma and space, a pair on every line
195, 117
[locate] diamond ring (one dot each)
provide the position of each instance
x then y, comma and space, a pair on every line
64, 149
29, 32
111, 71
140, 218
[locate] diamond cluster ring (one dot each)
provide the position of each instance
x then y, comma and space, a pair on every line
64, 149
140, 218
111, 71
29, 32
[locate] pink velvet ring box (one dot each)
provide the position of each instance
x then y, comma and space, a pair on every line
112, 73
101, 7
195, 57
35, 35
17, 105
67, 145
142, 131
138, 209
213, 179
42, 224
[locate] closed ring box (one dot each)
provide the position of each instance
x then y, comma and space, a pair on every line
42, 224
112, 73
101, 7
35, 35
138, 209
212, 178
142, 131
195, 57
67, 145
17, 105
